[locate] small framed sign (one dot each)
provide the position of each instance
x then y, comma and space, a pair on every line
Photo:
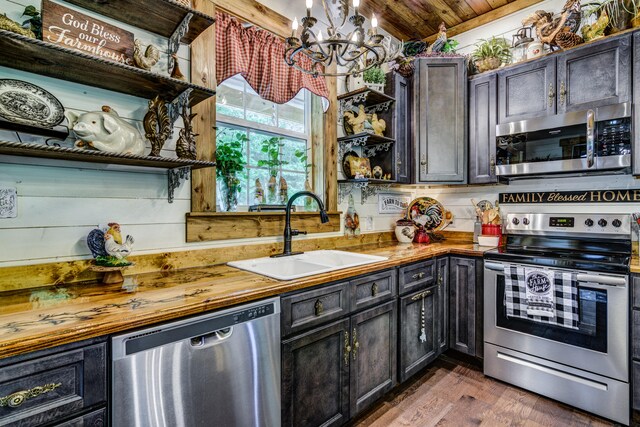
74, 30
8, 202
393, 203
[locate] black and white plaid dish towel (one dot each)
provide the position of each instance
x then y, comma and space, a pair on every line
542, 296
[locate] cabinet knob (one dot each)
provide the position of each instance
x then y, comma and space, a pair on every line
374, 289
318, 308
418, 275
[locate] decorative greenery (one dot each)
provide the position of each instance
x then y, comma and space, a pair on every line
272, 147
230, 155
303, 157
493, 48
450, 46
618, 11
35, 22
374, 75
111, 261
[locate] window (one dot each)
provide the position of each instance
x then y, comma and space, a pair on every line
239, 109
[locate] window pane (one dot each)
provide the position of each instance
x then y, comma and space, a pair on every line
263, 176
259, 110
291, 114
295, 183
256, 141
230, 97
291, 146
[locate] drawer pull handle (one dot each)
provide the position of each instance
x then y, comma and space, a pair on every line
374, 289
318, 308
356, 344
347, 348
439, 278
421, 295
563, 93
552, 95
418, 275
19, 397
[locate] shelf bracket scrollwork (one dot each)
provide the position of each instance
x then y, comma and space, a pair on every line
344, 189
177, 176
379, 108
346, 146
174, 40
175, 107
372, 150
372, 190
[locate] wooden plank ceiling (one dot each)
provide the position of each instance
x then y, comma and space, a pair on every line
419, 19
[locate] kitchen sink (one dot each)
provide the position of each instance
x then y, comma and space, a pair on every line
305, 264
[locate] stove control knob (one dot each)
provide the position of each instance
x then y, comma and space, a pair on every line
515, 221
525, 221
616, 223
589, 222
602, 222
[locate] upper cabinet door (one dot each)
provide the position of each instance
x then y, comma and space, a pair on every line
595, 75
439, 114
482, 130
527, 91
399, 88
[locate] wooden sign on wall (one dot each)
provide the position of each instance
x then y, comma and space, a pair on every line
588, 196
75, 30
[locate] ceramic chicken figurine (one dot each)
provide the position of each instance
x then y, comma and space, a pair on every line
357, 122
10, 25
441, 39
108, 247
157, 125
351, 220
145, 60
378, 125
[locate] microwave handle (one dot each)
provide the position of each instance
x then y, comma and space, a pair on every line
591, 124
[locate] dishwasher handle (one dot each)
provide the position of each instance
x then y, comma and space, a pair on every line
212, 338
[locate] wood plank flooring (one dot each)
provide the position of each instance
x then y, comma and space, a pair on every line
454, 393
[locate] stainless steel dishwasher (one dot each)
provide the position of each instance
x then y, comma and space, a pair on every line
220, 369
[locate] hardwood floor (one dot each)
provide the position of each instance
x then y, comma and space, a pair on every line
454, 393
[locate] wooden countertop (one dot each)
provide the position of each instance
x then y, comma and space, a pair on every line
41, 318
635, 264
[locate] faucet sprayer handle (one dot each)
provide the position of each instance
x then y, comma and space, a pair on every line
295, 232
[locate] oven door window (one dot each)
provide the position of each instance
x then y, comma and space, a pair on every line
592, 326
567, 143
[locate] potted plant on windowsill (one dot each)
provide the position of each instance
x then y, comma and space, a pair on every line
374, 78
272, 147
229, 163
491, 54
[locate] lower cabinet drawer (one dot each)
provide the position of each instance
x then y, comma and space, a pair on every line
373, 289
314, 307
92, 419
53, 387
416, 276
635, 377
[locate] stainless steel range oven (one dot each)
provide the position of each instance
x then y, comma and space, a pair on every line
556, 307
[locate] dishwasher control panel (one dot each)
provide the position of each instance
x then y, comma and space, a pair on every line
253, 313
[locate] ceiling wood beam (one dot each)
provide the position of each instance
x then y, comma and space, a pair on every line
487, 18
257, 14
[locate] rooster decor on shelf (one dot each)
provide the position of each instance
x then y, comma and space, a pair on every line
110, 252
145, 60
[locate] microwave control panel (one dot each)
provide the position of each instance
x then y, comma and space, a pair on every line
614, 137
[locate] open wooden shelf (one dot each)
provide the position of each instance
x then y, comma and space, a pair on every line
373, 97
157, 16
94, 156
370, 138
366, 181
51, 60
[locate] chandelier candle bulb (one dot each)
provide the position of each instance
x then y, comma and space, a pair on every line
356, 4
294, 27
309, 6
320, 36
374, 23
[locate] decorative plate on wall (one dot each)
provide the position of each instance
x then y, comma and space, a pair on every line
428, 213
25, 103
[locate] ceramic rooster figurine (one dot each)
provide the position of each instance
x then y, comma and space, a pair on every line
351, 220
440, 41
548, 27
145, 60
108, 247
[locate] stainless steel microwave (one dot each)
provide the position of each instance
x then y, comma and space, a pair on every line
575, 142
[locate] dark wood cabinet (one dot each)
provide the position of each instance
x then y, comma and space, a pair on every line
399, 88
55, 384
439, 118
594, 75
315, 377
483, 107
527, 91
373, 355
636, 101
465, 305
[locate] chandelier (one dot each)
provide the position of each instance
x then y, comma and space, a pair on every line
355, 51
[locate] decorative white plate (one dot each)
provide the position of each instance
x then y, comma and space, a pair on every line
28, 104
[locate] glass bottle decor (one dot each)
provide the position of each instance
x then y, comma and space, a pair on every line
271, 190
229, 190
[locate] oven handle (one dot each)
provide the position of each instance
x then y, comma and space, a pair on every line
496, 266
595, 280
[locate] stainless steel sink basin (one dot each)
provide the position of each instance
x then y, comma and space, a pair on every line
306, 264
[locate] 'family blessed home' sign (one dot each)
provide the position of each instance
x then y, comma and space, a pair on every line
75, 30
588, 196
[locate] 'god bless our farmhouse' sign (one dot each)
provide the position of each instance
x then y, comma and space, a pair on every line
75, 30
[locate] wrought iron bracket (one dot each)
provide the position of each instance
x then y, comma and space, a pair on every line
367, 189
346, 146
176, 176
174, 40
372, 190
379, 108
175, 107
372, 150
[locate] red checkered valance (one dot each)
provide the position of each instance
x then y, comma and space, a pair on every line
258, 56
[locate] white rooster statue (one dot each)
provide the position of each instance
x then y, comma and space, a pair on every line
108, 248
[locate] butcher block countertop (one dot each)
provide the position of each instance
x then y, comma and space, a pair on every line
635, 264
40, 318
